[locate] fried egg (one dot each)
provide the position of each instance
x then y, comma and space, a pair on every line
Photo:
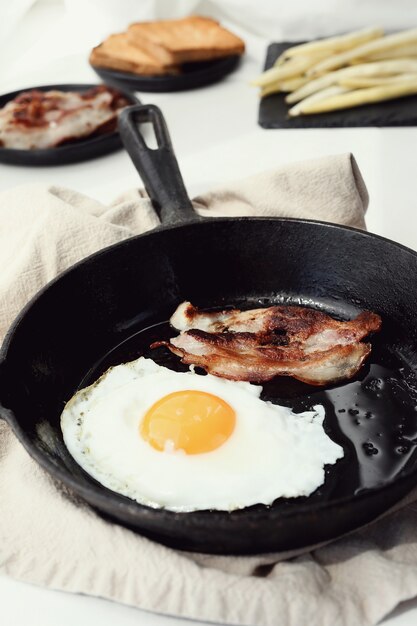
187, 442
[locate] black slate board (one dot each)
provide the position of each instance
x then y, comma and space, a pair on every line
273, 111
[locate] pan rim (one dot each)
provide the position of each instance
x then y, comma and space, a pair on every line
173, 227
101, 496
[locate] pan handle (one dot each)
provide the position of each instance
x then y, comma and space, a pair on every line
158, 167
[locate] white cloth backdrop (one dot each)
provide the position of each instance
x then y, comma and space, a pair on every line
88, 21
270, 18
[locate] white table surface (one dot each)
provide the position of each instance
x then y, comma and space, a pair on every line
216, 137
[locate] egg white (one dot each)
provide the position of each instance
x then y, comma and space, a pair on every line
271, 453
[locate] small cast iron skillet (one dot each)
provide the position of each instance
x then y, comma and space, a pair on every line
71, 152
111, 306
193, 75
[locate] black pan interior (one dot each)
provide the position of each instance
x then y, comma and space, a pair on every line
372, 416
110, 308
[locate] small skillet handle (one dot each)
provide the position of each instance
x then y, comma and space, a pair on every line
158, 167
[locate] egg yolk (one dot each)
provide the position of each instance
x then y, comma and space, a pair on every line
193, 421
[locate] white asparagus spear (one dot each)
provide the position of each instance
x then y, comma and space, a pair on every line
294, 83
401, 52
379, 68
335, 44
289, 69
379, 45
285, 86
362, 83
335, 90
355, 98
314, 56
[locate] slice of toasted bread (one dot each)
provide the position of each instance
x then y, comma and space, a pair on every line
117, 53
192, 38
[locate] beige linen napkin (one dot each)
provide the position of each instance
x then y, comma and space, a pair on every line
49, 538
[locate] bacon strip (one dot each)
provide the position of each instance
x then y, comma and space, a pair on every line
45, 119
259, 344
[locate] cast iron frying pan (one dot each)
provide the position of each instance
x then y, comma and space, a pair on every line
111, 306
